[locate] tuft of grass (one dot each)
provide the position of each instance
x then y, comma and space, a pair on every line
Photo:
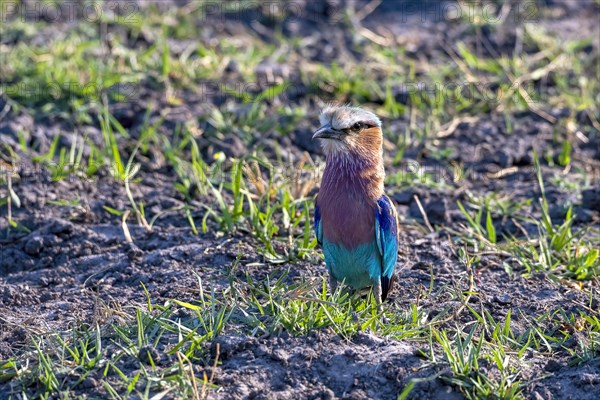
168, 351
559, 249
479, 369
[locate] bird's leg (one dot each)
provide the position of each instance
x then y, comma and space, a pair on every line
377, 293
332, 284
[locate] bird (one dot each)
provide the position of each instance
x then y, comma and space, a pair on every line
355, 223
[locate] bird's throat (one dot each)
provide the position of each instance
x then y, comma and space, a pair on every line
353, 174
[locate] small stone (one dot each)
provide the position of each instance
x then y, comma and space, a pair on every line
232, 66
34, 246
280, 355
503, 299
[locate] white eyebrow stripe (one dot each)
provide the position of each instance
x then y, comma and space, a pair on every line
344, 117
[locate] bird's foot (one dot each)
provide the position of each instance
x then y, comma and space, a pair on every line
377, 293
333, 285
382, 318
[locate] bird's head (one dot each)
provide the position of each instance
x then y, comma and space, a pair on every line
347, 129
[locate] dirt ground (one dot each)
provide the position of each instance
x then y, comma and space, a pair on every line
74, 264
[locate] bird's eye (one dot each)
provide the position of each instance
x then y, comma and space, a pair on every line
358, 126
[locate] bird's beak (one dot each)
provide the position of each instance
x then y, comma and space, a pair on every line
326, 132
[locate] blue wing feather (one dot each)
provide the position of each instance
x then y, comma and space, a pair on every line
386, 234
318, 226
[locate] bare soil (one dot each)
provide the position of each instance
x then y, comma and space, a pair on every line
74, 264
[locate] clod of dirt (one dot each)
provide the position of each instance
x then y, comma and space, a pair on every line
134, 253
75, 259
230, 345
280, 355
34, 246
302, 137
261, 350
590, 199
404, 197
436, 209
61, 227
126, 114
149, 355
89, 383
552, 366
